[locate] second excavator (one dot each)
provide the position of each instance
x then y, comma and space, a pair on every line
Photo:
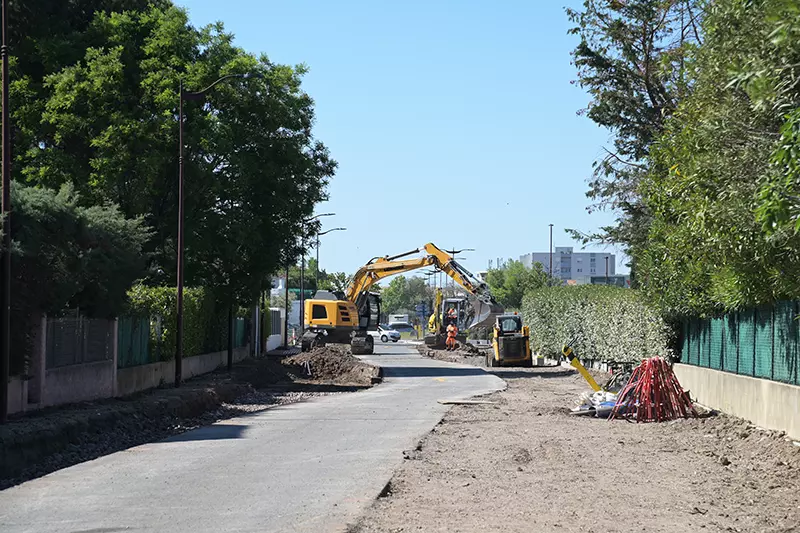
346, 317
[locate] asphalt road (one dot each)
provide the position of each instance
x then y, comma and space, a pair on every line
305, 467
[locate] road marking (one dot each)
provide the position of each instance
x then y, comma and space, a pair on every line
439, 379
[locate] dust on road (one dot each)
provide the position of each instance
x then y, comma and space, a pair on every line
524, 464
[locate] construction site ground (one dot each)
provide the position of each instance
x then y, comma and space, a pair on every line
523, 463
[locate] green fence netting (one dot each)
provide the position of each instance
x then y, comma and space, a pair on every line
762, 342
133, 341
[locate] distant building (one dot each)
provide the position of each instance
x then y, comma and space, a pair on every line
569, 265
622, 280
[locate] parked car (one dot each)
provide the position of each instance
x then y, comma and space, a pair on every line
386, 334
404, 327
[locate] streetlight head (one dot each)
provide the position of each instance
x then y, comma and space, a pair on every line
249, 75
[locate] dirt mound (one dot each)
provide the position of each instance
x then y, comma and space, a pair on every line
333, 364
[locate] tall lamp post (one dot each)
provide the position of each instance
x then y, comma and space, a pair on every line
453, 257
551, 254
190, 96
316, 274
5, 267
302, 271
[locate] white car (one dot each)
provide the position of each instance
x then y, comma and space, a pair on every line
386, 334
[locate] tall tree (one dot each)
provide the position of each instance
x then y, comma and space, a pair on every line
513, 281
403, 294
706, 250
103, 118
631, 60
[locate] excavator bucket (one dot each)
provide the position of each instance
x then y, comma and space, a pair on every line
485, 313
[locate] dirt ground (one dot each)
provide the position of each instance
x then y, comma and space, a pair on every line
333, 363
523, 463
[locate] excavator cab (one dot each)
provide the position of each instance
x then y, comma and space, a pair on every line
330, 319
510, 344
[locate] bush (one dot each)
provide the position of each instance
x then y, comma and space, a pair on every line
205, 323
65, 256
612, 324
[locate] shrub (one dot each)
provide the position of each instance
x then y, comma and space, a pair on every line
65, 256
205, 326
612, 324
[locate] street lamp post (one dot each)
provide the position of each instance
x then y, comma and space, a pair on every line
606, 270
182, 96
302, 272
5, 267
316, 274
551, 254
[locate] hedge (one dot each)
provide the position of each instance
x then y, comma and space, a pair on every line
613, 324
205, 324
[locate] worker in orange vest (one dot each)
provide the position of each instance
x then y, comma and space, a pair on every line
452, 331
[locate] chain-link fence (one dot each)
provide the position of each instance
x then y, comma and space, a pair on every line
763, 342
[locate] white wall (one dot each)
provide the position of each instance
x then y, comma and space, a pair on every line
768, 404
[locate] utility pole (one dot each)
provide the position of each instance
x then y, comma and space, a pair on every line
5, 279
606, 270
198, 96
286, 308
302, 288
551, 253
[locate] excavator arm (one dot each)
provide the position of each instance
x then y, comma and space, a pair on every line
382, 267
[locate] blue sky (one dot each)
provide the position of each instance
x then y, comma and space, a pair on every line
453, 121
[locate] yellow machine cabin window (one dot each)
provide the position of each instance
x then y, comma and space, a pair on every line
318, 311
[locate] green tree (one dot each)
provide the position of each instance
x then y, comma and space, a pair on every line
706, 249
66, 256
337, 281
513, 281
104, 119
631, 60
403, 294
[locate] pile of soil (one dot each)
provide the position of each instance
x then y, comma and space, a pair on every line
522, 463
333, 364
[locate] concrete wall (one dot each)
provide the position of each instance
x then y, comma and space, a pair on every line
766, 403
17, 395
79, 383
143, 377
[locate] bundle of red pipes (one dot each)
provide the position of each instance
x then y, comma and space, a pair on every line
653, 394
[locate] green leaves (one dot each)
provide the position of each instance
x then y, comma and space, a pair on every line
510, 283
66, 256
721, 185
107, 124
612, 324
631, 59
403, 294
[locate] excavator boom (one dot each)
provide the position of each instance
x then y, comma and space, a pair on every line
381, 267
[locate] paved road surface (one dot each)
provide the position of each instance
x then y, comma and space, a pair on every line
306, 467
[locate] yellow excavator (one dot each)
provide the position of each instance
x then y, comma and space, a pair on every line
346, 317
